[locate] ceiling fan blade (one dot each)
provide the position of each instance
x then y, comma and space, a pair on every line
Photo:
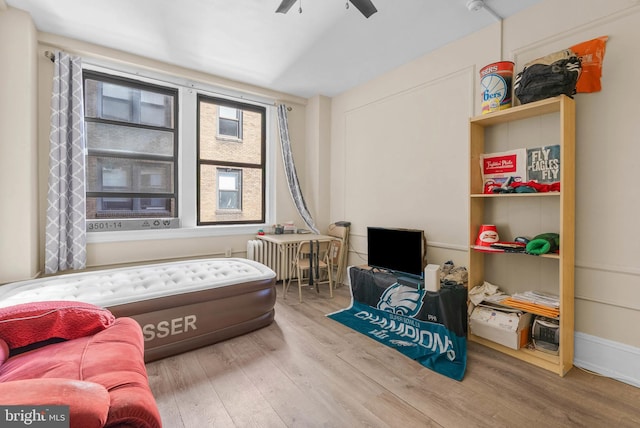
285, 6
364, 6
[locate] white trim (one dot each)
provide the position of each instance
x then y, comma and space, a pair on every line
132, 72
608, 358
447, 246
179, 233
609, 268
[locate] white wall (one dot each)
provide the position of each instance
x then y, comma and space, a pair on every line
18, 159
399, 158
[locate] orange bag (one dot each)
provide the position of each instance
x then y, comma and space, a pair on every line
591, 53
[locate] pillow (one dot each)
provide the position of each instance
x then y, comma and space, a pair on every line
4, 351
30, 323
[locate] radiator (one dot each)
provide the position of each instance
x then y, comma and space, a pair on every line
255, 250
278, 257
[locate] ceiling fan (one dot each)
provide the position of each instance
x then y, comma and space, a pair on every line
365, 7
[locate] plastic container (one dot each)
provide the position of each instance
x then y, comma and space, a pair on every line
496, 85
487, 235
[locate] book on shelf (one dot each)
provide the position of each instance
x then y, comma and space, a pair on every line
535, 302
543, 164
499, 169
538, 164
534, 308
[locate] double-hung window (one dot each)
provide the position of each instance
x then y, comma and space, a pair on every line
231, 161
132, 144
229, 188
229, 122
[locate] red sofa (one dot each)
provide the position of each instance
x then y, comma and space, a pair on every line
76, 355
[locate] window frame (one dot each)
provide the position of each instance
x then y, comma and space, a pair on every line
157, 88
240, 106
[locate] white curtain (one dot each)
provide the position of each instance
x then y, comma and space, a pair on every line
290, 170
65, 246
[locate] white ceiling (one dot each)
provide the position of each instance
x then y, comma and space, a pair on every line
324, 50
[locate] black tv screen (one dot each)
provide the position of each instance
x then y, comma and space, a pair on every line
397, 250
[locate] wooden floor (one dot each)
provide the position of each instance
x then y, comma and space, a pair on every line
306, 370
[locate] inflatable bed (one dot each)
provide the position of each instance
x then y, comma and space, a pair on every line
180, 305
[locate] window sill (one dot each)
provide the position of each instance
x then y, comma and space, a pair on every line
228, 212
180, 233
228, 139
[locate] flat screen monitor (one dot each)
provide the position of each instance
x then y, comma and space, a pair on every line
401, 251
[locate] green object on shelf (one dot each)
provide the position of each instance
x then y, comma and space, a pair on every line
544, 243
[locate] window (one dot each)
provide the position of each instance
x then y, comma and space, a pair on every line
231, 173
132, 141
229, 192
229, 122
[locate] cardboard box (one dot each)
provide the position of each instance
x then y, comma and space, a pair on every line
510, 329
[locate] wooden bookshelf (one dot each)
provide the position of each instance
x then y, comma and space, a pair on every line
484, 207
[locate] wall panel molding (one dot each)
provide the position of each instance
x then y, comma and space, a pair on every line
417, 139
585, 27
469, 70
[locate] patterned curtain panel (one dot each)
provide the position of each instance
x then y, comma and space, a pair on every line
290, 170
65, 246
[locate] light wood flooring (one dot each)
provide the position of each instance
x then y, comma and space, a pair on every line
306, 370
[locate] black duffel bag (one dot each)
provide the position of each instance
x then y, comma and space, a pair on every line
547, 77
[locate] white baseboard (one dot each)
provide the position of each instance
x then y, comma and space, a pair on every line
608, 358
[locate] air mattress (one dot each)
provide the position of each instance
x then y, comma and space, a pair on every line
180, 305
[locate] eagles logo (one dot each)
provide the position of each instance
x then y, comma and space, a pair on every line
402, 300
